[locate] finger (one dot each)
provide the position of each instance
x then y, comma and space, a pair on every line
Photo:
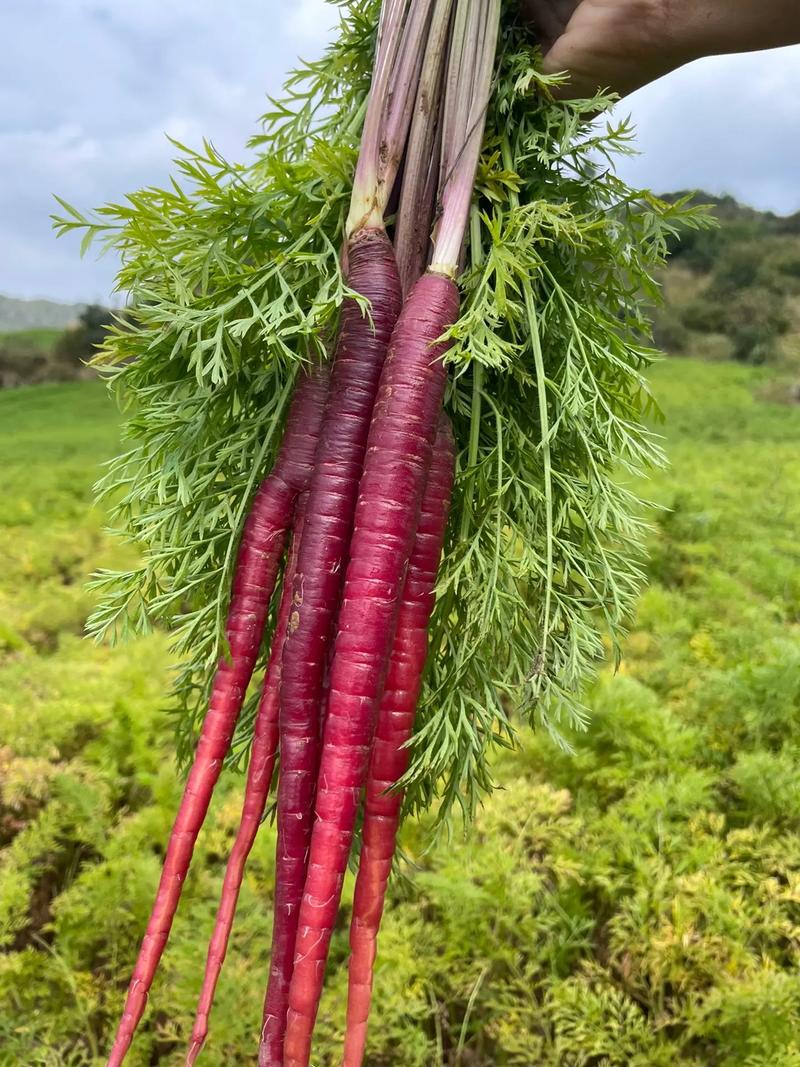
606, 46
567, 57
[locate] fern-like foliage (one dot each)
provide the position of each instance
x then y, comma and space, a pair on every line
234, 279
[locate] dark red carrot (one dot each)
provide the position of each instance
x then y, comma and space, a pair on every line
360, 354
259, 779
390, 494
257, 564
389, 498
390, 753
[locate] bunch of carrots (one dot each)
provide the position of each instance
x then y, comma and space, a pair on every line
353, 516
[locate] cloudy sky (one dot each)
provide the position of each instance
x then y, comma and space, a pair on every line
88, 89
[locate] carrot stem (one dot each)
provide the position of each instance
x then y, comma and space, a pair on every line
420, 171
471, 63
401, 39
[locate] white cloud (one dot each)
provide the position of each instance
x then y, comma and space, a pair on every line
724, 124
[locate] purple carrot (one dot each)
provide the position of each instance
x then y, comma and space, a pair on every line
390, 752
257, 564
389, 497
390, 493
363, 341
360, 354
259, 779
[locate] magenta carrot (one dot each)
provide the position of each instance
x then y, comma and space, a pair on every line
259, 779
389, 498
360, 354
361, 350
257, 566
390, 493
390, 752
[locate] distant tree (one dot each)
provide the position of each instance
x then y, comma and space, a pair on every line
79, 343
738, 267
670, 333
787, 262
757, 319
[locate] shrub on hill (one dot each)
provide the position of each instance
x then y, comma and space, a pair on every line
753, 318
670, 331
78, 344
31, 357
746, 271
22, 361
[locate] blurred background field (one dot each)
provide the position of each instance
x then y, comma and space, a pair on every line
633, 905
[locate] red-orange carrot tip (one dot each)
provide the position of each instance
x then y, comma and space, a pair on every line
259, 779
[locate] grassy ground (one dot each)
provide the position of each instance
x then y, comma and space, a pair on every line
633, 905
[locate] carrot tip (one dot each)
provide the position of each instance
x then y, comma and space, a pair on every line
194, 1051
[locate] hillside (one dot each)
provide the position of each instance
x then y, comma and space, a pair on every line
733, 291
36, 314
40, 354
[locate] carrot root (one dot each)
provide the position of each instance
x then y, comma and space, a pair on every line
256, 571
355, 375
390, 752
259, 779
398, 460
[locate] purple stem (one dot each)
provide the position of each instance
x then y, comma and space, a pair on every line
421, 171
401, 41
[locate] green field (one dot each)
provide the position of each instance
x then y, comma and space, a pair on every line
635, 904
42, 338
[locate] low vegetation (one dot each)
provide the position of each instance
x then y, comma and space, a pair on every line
634, 904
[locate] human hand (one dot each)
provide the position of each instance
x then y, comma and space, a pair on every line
624, 44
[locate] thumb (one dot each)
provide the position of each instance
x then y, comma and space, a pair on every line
566, 57
610, 47
594, 66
